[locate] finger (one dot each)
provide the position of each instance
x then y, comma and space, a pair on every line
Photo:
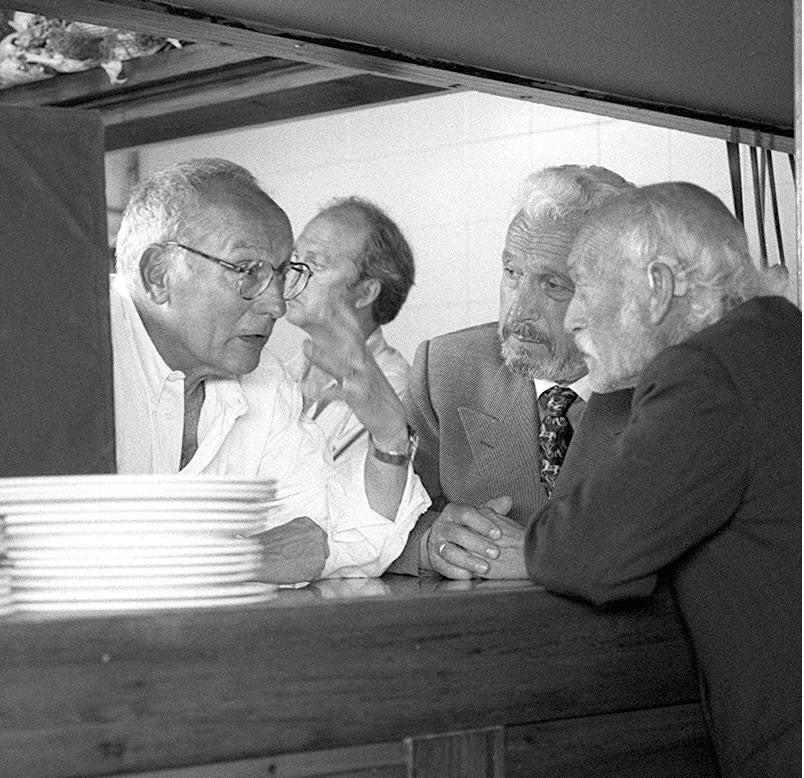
507, 527
469, 540
448, 570
458, 559
475, 520
332, 361
344, 327
501, 504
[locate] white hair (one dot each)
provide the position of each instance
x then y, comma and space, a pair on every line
568, 192
165, 206
695, 234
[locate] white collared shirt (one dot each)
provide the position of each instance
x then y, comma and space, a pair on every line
250, 427
580, 387
344, 432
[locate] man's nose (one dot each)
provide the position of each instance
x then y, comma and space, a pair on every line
573, 317
527, 303
271, 302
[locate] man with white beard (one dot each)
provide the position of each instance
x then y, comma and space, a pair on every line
496, 405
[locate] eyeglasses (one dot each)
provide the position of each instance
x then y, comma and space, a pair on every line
256, 275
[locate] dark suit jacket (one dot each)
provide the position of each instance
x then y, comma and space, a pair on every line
707, 488
478, 427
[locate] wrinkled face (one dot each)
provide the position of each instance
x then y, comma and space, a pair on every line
330, 244
534, 293
608, 314
212, 330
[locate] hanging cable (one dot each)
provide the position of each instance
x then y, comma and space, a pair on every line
775, 203
733, 151
763, 250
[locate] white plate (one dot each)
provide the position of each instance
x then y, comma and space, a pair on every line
26, 594
222, 529
145, 583
106, 513
177, 543
113, 559
122, 571
122, 606
76, 488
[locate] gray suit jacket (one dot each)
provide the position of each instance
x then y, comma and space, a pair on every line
478, 427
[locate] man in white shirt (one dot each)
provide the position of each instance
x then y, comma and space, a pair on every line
497, 406
360, 259
203, 273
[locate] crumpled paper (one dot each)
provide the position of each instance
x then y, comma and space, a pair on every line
40, 47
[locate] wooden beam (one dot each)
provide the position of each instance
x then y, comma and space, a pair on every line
166, 20
141, 124
203, 88
69, 89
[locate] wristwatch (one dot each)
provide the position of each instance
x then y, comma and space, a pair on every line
397, 457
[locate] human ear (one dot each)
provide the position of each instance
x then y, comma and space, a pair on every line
153, 274
663, 288
367, 291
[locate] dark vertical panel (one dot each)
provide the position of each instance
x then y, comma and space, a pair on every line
56, 411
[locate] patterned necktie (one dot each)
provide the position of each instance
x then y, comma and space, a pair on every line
555, 434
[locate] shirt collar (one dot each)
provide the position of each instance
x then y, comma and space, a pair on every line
580, 387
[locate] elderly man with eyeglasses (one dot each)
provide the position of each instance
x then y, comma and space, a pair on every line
203, 273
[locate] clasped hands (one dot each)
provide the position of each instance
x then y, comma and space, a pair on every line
467, 542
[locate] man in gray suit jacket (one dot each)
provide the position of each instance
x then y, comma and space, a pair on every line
478, 397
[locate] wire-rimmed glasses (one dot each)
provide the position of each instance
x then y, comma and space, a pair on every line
256, 275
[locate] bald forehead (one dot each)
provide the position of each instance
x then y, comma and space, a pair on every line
250, 201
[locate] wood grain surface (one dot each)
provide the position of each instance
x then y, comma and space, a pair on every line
322, 668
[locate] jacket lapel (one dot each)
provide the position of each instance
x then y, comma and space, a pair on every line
596, 439
505, 423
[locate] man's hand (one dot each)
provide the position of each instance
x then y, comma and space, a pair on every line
341, 352
293, 552
463, 541
511, 561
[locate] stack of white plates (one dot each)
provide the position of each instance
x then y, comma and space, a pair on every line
6, 602
84, 543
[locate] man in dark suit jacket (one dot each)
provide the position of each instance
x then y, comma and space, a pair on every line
474, 394
706, 490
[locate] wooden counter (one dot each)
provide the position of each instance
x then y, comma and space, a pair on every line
356, 677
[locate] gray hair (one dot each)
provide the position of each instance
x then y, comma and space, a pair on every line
165, 206
386, 255
695, 234
568, 192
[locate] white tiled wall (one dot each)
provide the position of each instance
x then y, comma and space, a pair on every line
447, 169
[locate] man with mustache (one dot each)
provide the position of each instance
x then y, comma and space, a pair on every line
496, 405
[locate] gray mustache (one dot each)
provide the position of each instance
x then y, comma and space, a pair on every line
527, 330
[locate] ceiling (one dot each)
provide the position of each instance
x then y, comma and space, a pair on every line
719, 67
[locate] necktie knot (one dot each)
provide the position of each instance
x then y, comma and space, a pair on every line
559, 399
555, 434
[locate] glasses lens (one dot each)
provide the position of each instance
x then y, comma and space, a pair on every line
255, 279
296, 277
